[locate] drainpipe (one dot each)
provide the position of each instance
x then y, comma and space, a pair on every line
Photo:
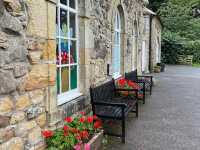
150, 45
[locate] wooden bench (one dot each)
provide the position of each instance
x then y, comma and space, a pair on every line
145, 81
108, 104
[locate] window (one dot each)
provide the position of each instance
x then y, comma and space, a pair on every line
67, 50
116, 53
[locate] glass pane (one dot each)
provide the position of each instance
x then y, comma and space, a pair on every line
63, 2
72, 3
57, 52
64, 52
65, 79
58, 81
118, 21
63, 23
73, 57
73, 77
72, 28
117, 38
116, 59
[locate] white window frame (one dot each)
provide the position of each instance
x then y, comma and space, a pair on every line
117, 31
71, 94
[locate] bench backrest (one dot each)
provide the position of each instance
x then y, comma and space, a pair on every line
131, 75
105, 91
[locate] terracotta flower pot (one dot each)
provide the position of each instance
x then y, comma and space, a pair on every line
94, 144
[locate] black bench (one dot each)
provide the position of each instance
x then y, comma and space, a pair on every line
146, 81
108, 104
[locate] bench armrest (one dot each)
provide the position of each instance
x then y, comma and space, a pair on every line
110, 104
145, 76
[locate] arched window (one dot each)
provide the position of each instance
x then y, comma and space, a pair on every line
116, 53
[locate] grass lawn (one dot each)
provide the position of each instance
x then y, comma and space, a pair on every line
196, 65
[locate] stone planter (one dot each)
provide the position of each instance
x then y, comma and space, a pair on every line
157, 69
94, 144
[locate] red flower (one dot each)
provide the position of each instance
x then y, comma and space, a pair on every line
65, 134
134, 85
73, 130
78, 137
68, 119
82, 119
95, 117
82, 113
84, 134
47, 133
65, 128
130, 84
122, 82
90, 119
97, 124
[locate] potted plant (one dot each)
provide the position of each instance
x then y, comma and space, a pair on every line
127, 84
78, 133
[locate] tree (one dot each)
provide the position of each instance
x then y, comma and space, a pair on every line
181, 27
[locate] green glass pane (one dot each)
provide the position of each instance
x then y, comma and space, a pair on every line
73, 57
73, 77
58, 81
65, 79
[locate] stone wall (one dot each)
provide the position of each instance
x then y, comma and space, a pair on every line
156, 41
26, 72
102, 18
28, 100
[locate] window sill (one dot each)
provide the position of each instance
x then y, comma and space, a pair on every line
117, 76
68, 97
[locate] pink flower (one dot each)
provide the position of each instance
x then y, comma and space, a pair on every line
86, 147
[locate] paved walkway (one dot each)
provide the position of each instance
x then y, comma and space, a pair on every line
170, 119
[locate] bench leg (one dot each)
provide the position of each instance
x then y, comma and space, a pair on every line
151, 89
151, 86
144, 95
136, 107
123, 130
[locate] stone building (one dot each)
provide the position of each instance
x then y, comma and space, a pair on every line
151, 44
52, 51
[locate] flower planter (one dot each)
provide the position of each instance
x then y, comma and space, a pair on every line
157, 69
94, 144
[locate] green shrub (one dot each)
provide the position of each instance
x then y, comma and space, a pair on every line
173, 45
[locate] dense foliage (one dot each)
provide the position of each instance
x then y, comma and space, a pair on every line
181, 32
